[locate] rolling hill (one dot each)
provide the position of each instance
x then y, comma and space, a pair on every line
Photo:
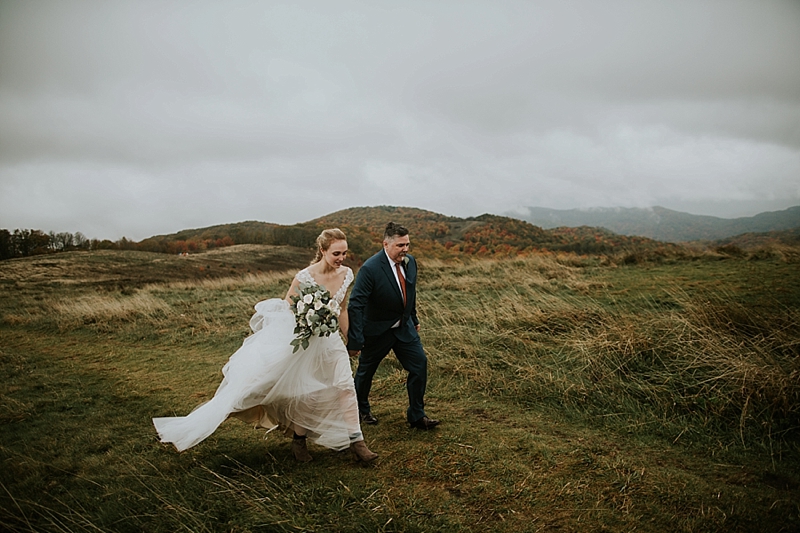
751, 241
433, 235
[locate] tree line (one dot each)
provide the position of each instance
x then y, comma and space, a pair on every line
26, 242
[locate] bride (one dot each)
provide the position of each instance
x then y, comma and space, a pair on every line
308, 393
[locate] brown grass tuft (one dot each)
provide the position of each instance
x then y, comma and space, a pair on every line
101, 308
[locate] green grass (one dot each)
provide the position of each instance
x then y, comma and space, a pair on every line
575, 394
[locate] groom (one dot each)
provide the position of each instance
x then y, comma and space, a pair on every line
383, 317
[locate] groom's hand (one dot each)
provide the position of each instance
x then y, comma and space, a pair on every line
354, 353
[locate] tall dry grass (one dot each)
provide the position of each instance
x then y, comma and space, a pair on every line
230, 283
156, 303
717, 363
104, 308
546, 329
542, 331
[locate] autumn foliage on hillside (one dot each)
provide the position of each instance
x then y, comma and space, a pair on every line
433, 235
752, 241
439, 236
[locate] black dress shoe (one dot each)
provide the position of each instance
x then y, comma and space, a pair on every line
425, 423
367, 418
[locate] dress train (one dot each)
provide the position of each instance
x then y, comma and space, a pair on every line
265, 384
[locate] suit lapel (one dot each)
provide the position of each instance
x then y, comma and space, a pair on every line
411, 272
387, 268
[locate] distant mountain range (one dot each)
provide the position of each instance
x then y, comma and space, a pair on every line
662, 224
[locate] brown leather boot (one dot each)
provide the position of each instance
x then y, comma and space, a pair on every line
300, 450
362, 453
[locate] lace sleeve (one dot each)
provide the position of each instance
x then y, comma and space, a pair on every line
348, 279
304, 276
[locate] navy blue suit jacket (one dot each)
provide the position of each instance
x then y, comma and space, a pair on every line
376, 302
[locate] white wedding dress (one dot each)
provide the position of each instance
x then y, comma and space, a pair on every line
269, 386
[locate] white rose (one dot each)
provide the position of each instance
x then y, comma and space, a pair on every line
301, 307
318, 305
308, 298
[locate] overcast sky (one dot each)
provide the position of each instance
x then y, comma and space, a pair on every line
140, 118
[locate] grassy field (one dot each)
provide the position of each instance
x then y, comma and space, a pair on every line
576, 395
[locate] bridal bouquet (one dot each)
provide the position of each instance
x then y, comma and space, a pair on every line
316, 314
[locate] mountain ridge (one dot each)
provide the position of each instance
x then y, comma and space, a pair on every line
660, 223
433, 235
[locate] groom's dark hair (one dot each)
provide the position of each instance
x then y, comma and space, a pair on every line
394, 230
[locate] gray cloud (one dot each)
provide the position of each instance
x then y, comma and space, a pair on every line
135, 118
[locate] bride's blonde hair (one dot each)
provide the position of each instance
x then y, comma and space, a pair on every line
325, 239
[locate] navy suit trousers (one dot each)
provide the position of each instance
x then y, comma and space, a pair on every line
411, 356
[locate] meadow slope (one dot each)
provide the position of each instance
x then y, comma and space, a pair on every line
577, 393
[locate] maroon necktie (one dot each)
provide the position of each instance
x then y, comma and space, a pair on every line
402, 281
